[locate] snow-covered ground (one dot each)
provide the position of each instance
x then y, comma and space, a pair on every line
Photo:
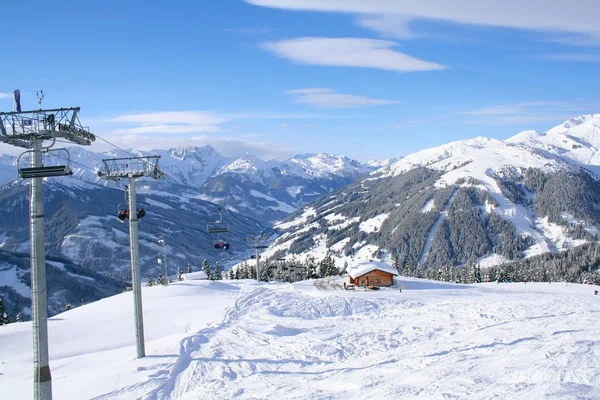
244, 340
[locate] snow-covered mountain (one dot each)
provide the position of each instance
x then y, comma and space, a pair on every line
477, 200
81, 223
267, 189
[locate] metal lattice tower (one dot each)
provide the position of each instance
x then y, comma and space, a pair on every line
29, 130
257, 240
133, 168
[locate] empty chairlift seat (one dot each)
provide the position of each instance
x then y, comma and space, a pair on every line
217, 227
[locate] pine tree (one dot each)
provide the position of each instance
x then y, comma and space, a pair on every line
344, 269
3, 314
179, 274
150, 281
206, 269
68, 306
217, 276
311, 271
19, 318
189, 269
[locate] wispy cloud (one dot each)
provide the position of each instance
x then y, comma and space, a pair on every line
5, 95
572, 57
186, 122
518, 108
391, 25
349, 52
227, 146
529, 112
328, 98
167, 129
556, 16
169, 122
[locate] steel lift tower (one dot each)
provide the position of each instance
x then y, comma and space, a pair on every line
257, 240
133, 168
37, 131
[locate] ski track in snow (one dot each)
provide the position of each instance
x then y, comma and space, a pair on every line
283, 343
434, 228
516, 214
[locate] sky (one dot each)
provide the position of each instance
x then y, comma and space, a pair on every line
369, 80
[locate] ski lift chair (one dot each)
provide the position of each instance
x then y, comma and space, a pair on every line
217, 226
46, 170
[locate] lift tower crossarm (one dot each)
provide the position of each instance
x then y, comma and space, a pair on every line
19, 128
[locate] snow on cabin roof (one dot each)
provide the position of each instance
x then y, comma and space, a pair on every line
195, 276
359, 268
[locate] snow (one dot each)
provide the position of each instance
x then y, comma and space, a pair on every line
308, 212
492, 260
344, 224
194, 276
9, 277
373, 224
557, 234
428, 206
62, 267
244, 340
334, 217
434, 228
294, 191
361, 267
281, 206
158, 204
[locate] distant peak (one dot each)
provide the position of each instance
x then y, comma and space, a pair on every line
303, 155
183, 152
573, 122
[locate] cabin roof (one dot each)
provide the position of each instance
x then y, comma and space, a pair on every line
362, 267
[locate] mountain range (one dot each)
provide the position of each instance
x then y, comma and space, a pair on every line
81, 212
478, 200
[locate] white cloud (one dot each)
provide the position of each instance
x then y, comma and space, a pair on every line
184, 122
349, 52
169, 122
530, 112
327, 98
5, 95
391, 25
581, 57
173, 117
229, 147
514, 108
555, 16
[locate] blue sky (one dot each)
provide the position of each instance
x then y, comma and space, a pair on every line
367, 79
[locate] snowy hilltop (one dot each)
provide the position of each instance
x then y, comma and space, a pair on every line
244, 340
479, 200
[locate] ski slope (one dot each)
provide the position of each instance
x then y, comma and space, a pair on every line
245, 340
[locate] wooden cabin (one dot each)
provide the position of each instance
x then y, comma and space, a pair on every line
371, 273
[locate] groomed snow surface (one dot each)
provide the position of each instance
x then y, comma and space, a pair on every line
245, 340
